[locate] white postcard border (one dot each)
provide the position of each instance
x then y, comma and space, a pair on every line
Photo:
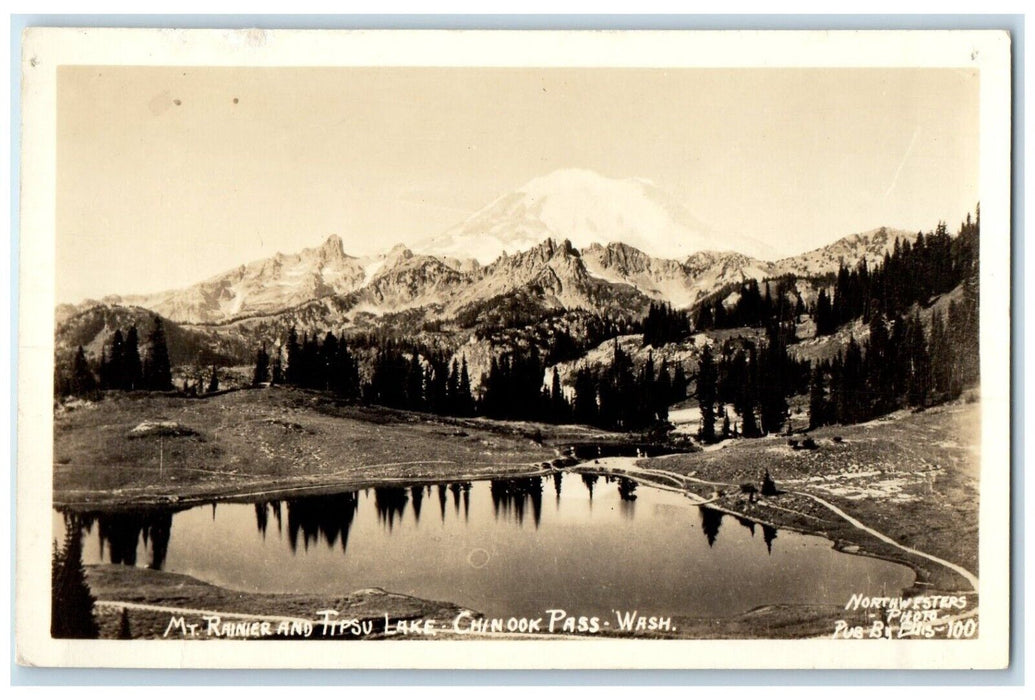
46, 49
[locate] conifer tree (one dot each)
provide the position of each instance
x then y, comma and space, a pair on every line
345, 377
262, 366
132, 370
83, 382
415, 399
919, 363
772, 387
213, 381
276, 367
853, 384
104, 370
71, 609
747, 399
293, 374
825, 323
327, 353
465, 402
559, 409
679, 383
879, 367
117, 361
585, 408
817, 399
159, 370
453, 387
940, 356
662, 394
707, 391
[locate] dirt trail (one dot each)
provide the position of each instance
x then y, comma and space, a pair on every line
118, 604
971, 578
629, 466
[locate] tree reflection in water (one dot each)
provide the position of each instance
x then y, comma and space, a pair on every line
769, 534
442, 500
330, 516
512, 496
711, 520
262, 516
627, 488
417, 496
748, 523
590, 481
390, 502
122, 532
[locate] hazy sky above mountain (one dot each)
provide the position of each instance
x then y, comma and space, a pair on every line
166, 176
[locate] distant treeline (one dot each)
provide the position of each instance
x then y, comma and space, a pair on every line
756, 379
621, 396
752, 308
664, 325
417, 378
911, 273
120, 366
900, 365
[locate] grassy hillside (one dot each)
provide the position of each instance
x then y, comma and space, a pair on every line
145, 447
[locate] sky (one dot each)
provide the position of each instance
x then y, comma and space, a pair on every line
168, 176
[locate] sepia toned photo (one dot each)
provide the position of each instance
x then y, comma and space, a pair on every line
569, 350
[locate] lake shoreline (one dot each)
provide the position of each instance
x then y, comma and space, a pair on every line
255, 455
154, 599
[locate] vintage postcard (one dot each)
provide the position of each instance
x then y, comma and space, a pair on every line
514, 349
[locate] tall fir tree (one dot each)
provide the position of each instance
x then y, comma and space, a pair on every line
276, 367
748, 396
133, 374
918, 360
707, 393
854, 396
818, 408
71, 609
585, 403
465, 402
159, 371
879, 367
773, 383
679, 383
83, 382
293, 373
117, 361
262, 366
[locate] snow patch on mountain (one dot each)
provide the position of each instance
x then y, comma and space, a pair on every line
584, 207
570, 239
262, 286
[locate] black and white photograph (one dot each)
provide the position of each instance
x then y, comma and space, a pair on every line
502, 346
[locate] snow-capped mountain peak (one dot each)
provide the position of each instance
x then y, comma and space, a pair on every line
584, 207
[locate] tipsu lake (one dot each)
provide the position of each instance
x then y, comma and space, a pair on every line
583, 543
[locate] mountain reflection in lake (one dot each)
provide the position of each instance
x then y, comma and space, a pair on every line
599, 544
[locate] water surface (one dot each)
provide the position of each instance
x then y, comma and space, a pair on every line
504, 547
